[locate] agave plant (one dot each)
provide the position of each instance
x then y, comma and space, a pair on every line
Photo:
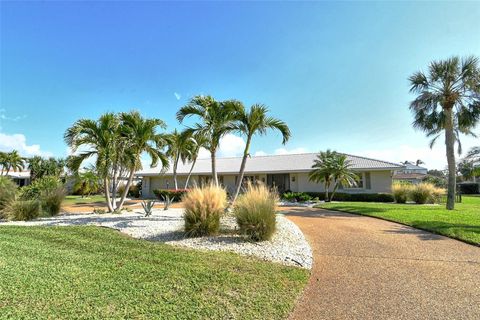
167, 201
148, 207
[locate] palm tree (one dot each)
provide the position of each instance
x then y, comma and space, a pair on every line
252, 122
419, 162
141, 136
322, 170
448, 100
217, 118
87, 183
474, 154
198, 141
3, 162
179, 147
342, 173
13, 161
102, 138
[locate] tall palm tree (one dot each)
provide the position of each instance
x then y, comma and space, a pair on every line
141, 136
179, 147
3, 162
101, 137
13, 161
322, 170
198, 141
250, 123
448, 100
474, 154
217, 118
342, 173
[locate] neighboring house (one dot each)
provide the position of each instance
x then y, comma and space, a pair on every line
21, 178
285, 172
411, 173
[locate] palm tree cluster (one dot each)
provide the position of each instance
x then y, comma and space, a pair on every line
11, 161
116, 143
448, 102
41, 167
332, 168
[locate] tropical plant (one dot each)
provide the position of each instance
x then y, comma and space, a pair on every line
167, 202
87, 183
255, 212
198, 141
8, 190
40, 167
401, 191
250, 123
448, 100
41, 186
342, 173
322, 170
179, 148
148, 207
51, 202
217, 118
22, 210
11, 161
425, 193
203, 208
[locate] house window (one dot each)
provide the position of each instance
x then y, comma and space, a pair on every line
360, 182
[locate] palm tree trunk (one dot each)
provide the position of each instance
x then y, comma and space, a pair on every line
327, 186
175, 164
127, 188
214, 167
242, 169
450, 148
335, 187
106, 185
190, 172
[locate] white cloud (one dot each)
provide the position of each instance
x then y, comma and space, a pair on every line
230, 146
19, 142
177, 95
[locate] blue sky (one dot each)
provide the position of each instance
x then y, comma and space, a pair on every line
336, 72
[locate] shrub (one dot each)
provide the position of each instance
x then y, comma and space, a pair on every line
203, 208
51, 201
296, 196
175, 195
8, 190
469, 188
401, 191
425, 193
22, 210
40, 186
255, 212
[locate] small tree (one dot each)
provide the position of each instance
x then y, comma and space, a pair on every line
342, 173
322, 170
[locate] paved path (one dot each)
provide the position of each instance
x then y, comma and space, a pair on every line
366, 268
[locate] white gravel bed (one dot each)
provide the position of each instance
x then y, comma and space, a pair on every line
288, 245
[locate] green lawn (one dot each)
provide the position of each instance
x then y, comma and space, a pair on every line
95, 273
463, 223
69, 200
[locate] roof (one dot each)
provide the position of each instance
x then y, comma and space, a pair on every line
19, 174
270, 164
411, 166
402, 176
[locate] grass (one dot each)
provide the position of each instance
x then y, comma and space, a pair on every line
463, 223
71, 200
88, 272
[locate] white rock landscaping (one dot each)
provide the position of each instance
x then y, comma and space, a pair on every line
287, 246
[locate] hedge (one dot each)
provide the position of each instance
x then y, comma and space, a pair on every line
355, 197
469, 188
175, 195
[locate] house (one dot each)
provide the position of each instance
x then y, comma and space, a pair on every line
21, 178
410, 173
285, 172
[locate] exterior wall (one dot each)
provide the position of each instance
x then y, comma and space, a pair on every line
380, 182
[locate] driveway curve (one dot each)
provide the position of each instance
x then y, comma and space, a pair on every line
367, 268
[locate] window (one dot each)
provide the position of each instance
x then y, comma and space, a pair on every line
360, 182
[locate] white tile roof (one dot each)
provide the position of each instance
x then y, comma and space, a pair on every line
269, 164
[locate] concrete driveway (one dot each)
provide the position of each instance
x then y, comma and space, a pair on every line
366, 268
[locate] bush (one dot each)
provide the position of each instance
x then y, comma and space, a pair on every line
22, 210
425, 193
134, 190
469, 188
51, 202
203, 208
40, 186
255, 212
355, 197
401, 191
296, 196
8, 190
175, 195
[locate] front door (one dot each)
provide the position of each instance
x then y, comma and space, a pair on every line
281, 182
